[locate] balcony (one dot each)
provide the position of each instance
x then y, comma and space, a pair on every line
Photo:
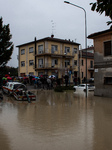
58, 53
50, 66
91, 68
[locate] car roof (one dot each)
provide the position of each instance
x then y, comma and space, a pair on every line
14, 83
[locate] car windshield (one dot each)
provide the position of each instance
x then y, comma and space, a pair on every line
90, 85
16, 86
81, 85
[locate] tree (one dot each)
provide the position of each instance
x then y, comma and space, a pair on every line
103, 6
5, 70
6, 47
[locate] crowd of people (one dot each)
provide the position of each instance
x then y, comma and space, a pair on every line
43, 81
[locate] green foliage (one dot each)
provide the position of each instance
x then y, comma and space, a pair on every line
63, 88
58, 89
6, 47
5, 70
103, 6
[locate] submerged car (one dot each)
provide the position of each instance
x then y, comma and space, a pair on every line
82, 87
19, 91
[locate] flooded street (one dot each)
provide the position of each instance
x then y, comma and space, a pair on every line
56, 121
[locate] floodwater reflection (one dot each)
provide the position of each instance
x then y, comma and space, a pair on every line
58, 121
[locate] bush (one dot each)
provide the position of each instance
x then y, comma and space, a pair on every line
63, 88
58, 89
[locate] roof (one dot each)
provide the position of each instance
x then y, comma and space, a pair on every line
15, 83
84, 54
92, 36
50, 39
88, 48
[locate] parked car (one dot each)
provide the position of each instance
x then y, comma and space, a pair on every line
82, 87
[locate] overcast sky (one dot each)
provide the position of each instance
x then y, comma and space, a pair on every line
39, 18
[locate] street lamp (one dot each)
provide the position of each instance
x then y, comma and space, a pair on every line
85, 36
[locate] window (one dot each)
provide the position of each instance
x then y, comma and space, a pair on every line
22, 51
91, 74
11, 85
82, 74
108, 80
54, 48
75, 50
67, 62
31, 73
81, 85
40, 62
30, 62
107, 48
67, 50
82, 62
40, 49
22, 63
54, 62
18, 85
91, 64
31, 50
75, 62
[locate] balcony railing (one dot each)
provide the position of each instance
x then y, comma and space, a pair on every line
54, 66
54, 52
91, 69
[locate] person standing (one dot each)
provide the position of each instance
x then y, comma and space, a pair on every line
66, 80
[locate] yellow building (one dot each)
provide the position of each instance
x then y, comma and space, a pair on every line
49, 56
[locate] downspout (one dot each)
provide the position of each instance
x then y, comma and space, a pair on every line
35, 54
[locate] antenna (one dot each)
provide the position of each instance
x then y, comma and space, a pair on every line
53, 27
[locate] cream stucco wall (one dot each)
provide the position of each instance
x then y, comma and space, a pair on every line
47, 59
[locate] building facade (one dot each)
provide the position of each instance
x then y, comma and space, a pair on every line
90, 64
48, 56
103, 62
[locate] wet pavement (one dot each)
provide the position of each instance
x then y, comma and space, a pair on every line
56, 121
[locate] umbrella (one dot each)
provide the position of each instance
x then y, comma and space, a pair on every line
6, 75
25, 78
4, 78
33, 76
33, 79
52, 76
37, 78
9, 78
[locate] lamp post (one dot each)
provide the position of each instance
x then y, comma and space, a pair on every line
85, 36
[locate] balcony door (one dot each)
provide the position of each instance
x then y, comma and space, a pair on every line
54, 62
67, 63
40, 63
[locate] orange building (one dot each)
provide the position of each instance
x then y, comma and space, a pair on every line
90, 64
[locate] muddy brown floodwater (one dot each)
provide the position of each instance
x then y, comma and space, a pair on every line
56, 121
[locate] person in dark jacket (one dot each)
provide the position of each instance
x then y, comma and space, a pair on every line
66, 80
